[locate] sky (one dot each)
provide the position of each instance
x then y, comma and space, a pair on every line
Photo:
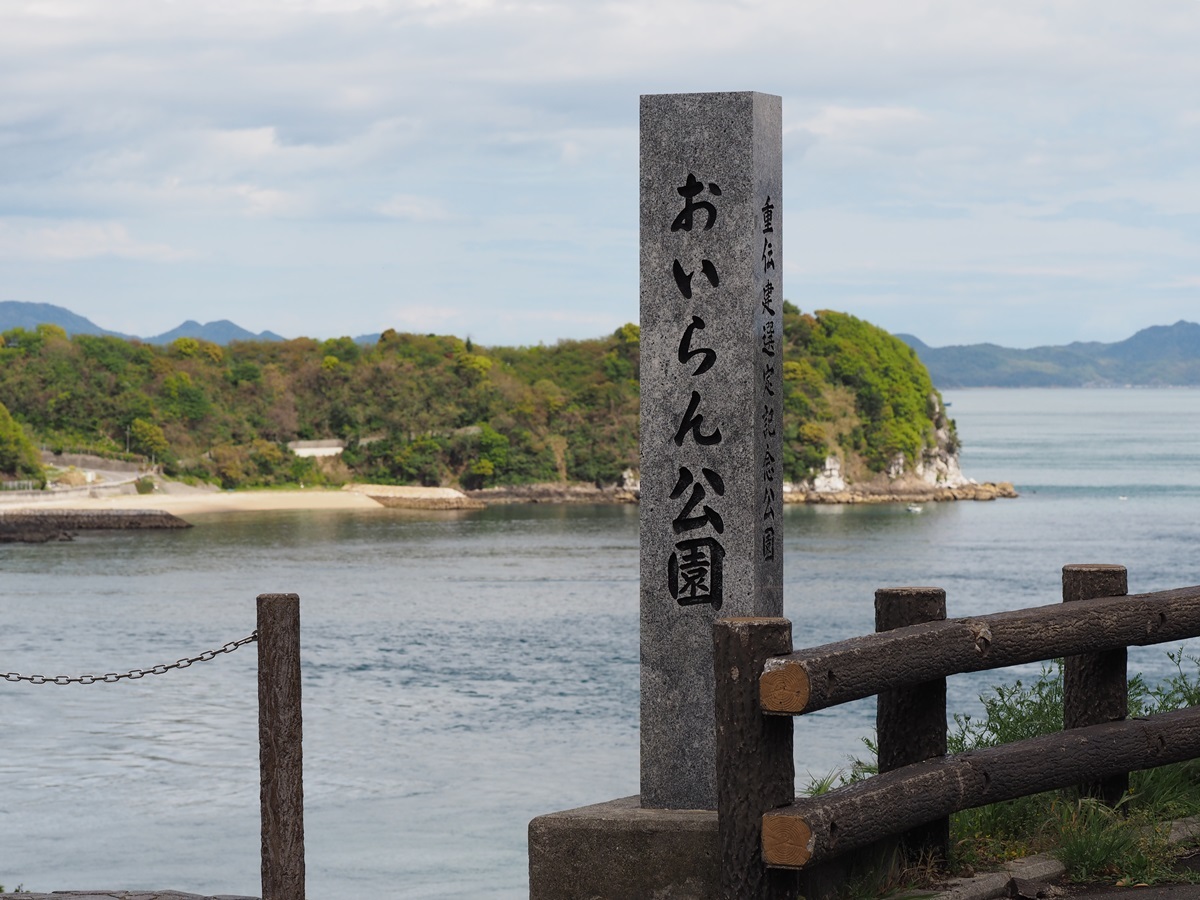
1023, 172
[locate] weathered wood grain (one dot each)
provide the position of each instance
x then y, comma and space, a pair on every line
825, 676
910, 722
1095, 685
281, 754
755, 770
813, 829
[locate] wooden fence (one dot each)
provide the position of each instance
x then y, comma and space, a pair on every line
769, 838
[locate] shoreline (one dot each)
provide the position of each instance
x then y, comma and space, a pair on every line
182, 500
988, 490
201, 501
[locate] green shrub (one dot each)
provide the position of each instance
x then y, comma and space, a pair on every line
1129, 844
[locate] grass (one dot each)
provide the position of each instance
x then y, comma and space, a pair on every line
1127, 845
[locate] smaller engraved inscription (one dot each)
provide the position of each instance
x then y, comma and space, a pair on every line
769, 344
768, 542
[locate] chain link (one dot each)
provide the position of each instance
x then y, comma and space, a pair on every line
114, 677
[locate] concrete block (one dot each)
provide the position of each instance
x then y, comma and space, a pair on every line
620, 851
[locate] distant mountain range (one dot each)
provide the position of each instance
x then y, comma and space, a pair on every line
1154, 357
1158, 356
14, 314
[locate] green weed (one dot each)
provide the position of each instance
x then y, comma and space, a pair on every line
1129, 844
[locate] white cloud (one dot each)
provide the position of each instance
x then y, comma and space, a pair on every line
412, 208
425, 317
1036, 141
840, 123
79, 240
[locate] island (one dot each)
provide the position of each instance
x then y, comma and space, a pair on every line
863, 422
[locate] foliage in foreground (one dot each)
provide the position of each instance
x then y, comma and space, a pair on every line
1128, 845
429, 409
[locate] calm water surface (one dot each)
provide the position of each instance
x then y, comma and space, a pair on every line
466, 672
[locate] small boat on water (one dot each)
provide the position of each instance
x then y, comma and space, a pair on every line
913, 508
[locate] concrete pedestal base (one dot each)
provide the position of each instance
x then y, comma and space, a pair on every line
619, 851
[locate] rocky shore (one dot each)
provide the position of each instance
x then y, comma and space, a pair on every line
556, 492
38, 526
901, 490
990, 490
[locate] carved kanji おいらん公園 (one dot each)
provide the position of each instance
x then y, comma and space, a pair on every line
683, 280
691, 422
694, 572
686, 352
683, 222
685, 521
691, 189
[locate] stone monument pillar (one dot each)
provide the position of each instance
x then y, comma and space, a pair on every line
711, 486
711, 418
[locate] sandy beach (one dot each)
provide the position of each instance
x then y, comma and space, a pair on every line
188, 502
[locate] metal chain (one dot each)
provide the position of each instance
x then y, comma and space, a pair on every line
114, 677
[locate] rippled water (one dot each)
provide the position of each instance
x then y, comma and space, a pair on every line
464, 672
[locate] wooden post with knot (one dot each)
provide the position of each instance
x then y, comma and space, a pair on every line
281, 754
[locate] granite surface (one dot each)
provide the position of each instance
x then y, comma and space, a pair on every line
711, 475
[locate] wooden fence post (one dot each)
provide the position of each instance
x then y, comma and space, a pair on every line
1095, 687
755, 769
910, 723
281, 786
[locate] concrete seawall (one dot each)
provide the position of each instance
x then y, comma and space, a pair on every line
123, 895
409, 497
40, 525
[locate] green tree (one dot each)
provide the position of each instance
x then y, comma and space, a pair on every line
18, 456
148, 439
185, 347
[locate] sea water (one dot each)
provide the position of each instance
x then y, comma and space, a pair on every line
464, 672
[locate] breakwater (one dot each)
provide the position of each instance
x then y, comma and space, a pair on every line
556, 492
40, 525
410, 497
123, 895
905, 493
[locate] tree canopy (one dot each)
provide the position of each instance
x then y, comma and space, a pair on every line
19, 458
431, 409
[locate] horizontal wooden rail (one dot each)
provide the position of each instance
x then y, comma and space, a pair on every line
814, 829
825, 676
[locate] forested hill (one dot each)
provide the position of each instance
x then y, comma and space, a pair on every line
437, 410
